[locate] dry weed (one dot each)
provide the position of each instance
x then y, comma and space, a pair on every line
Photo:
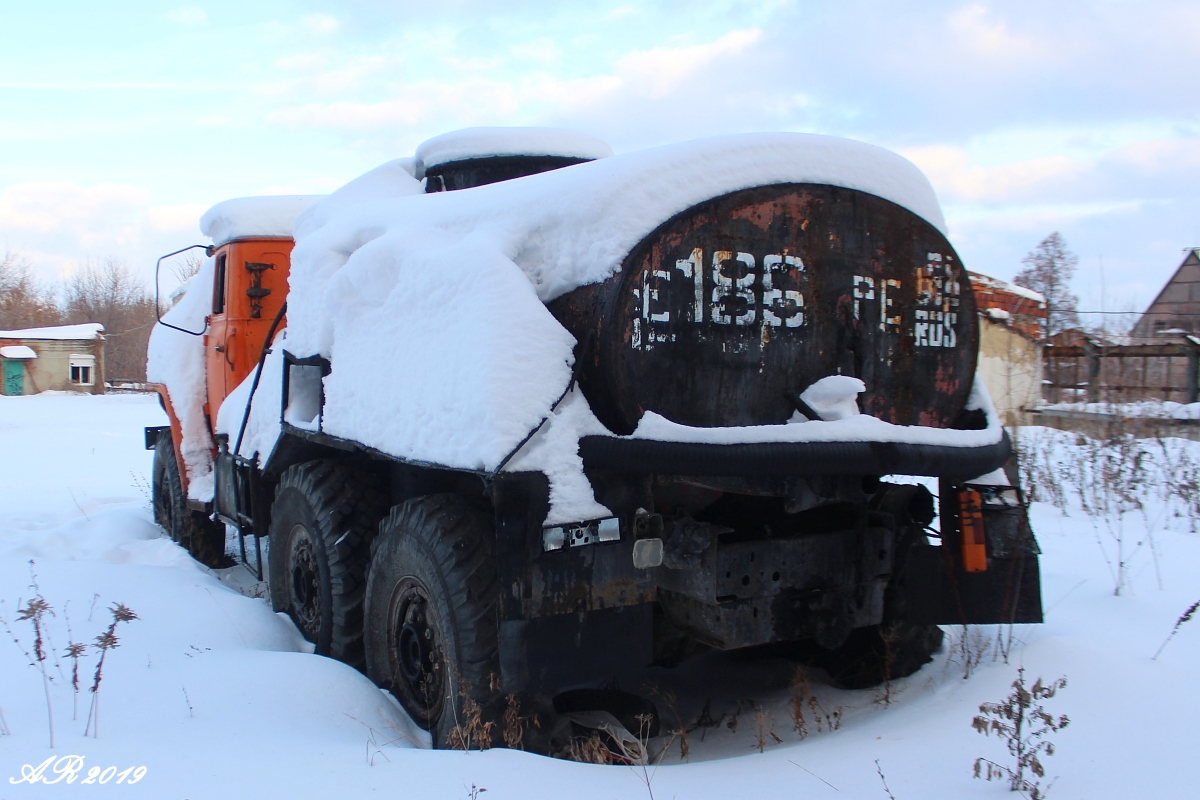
1025, 726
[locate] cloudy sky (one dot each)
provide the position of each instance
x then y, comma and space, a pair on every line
121, 122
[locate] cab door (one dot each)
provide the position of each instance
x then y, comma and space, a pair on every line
217, 358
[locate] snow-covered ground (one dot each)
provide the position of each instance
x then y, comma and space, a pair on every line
216, 697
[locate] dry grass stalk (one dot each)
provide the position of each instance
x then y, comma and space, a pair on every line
75, 650
472, 732
888, 634
800, 693
588, 749
648, 766
514, 724
879, 770
1025, 726
671, 703
1186, 616
970, 647
35, 612
760, 725
802, 698
104, 642
764, 725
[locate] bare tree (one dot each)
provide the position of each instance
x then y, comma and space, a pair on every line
110, 293
1049, 268
24, 303
188, 268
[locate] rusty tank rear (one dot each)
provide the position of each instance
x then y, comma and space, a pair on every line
727, 312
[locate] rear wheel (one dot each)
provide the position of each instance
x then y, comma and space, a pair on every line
192, 530
895, 648
431, 634
322, 522
880, 653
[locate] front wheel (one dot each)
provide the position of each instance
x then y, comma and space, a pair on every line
192, 530
431, 634
322, 523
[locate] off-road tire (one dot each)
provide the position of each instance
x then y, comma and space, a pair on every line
323, 519
431, 634
881, 653
192, 530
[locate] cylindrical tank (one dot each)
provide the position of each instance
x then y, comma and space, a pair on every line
728, 311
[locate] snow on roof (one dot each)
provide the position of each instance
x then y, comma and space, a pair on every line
483, 142
60, 333
18, 352
1005, 286
253, 216
388, 181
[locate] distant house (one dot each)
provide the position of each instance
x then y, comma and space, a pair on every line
63, 358
1176, 310
1011, 321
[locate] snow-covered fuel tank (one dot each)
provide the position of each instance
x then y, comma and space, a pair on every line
728, 311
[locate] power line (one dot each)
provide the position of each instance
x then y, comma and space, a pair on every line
1145, 313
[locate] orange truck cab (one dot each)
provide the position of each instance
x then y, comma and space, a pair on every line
250, 283
249, 288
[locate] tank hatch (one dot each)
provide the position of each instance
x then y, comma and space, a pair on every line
478, 156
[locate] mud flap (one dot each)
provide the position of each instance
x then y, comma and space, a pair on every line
955, 584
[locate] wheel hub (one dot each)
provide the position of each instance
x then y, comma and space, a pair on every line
416, 653
305, 582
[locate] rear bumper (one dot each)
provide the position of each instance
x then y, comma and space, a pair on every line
783, 459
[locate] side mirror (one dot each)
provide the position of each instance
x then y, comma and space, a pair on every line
208, 251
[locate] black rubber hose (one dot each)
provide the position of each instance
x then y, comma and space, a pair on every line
262, 359
781, 459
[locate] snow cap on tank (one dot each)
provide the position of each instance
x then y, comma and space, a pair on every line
472, 157
254, 217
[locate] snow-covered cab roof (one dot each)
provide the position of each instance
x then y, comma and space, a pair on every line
254, 217
474, 157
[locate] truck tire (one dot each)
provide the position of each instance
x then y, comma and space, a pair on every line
322, 523
880, 653
192, 530
431, 634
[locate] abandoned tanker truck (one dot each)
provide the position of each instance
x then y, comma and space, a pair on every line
517, 414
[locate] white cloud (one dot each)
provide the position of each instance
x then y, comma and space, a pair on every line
188, 16
320, 23
59, 223
175, 219
58, 205
486, 94
976, 33
541, 51
302, 62
655, 73
956, 177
